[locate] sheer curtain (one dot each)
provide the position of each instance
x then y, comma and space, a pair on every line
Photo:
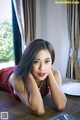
16, 37
73, 67
25, 13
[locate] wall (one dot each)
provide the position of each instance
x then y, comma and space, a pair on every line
51, 24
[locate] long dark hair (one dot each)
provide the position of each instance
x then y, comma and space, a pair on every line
28, 57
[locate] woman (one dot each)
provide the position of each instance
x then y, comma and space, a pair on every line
32, 78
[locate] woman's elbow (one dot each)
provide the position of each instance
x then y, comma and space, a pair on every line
61, 106
37, 110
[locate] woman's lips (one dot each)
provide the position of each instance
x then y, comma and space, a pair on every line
41, 74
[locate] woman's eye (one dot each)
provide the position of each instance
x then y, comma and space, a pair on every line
35, 62
47, 61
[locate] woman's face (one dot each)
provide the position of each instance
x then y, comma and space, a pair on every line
42, 65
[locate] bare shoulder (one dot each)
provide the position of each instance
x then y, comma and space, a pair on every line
12, 78
16, 83
57, 76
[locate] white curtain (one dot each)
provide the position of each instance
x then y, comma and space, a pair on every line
25, 13
73, 66
18, 5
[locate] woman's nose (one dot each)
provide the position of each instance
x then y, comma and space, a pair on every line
42, 66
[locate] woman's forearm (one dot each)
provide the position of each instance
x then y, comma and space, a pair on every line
35, 99
57, 95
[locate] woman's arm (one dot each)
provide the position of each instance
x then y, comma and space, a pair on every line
58, 97
31, 96
35, 99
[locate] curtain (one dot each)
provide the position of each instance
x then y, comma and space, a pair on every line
16, 37
26, 17
73, 18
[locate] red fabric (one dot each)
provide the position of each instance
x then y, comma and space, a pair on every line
4, 79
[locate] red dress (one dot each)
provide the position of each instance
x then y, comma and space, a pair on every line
4, 80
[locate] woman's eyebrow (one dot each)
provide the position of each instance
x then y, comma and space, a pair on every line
40, 59
37, 59
48, 58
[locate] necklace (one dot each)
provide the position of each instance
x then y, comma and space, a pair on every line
42, 87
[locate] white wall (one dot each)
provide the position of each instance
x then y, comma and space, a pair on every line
51, 24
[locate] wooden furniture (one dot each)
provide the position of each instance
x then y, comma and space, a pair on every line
17, 111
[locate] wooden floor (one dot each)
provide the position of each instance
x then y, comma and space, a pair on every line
17, 111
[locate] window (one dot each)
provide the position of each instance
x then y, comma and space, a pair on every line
6, 35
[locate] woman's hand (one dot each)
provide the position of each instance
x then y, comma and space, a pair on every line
56, 75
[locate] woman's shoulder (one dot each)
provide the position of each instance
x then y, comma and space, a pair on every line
16, 83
